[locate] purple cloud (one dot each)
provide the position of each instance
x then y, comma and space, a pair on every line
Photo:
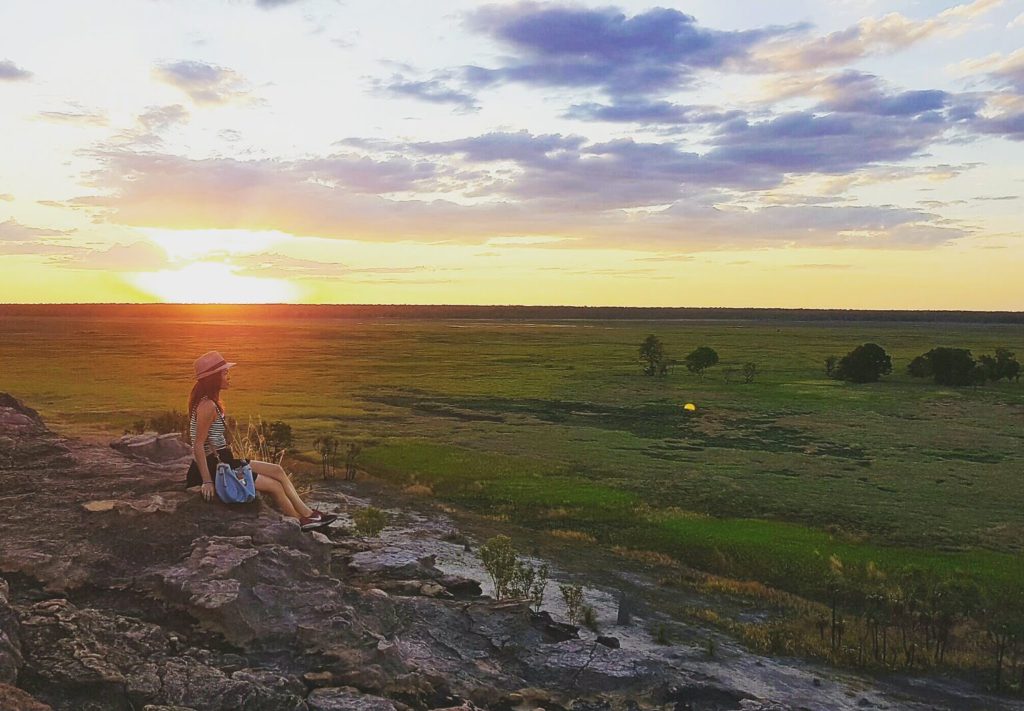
808, 142
433, 91
9, 71
573, 46
646, 112
205, 84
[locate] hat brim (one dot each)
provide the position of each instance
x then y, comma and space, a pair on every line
219, 368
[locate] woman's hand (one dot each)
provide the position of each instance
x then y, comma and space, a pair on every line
208, 490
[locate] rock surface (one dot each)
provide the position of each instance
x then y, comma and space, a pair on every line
125, 592
153, 447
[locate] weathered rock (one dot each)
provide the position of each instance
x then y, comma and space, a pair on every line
460, 587
10, 639
24, 439
346, 699
14, 699
75, 657
394, 563
610, 642
259, 594
153, 447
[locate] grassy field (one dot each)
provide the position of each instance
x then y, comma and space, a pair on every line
552, 425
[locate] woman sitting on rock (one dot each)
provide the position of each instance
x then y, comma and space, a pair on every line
208, 432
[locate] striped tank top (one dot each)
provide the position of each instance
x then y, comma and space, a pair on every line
216, 438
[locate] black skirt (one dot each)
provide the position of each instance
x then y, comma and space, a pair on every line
194, 478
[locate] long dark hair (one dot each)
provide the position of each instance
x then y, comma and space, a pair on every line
208, 387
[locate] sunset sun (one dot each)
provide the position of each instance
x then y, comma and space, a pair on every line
214, 283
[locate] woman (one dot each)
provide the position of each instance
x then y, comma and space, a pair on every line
208, 432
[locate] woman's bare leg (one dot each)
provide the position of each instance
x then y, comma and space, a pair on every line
273, 488
276, 473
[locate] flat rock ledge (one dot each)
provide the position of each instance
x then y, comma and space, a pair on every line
120, 590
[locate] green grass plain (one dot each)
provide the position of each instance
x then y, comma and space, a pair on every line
552, 425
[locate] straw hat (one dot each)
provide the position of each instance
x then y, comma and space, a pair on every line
210, 363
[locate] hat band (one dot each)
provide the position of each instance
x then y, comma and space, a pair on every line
212, 369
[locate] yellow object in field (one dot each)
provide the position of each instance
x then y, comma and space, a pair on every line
690, 407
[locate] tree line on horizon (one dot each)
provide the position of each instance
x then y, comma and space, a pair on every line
508, 311
866, 363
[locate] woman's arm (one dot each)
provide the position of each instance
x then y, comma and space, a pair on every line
205, 414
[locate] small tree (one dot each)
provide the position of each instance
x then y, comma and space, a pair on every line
573, 597
749, 372
830, 365
700, 360
947, 366
864, 364
499, 558
351, 456
1003, 365
327, 448
652, 356
276, 437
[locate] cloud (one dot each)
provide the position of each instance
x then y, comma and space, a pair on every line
138, 256
809, 142
857, 92
6, 197
206, 84
585, 194
649, 112
9, 71
14, 231
156, 119
269, 4
885, 35
284, 266
1016, 22
434, 91
571, 46
76, 114
1006, 70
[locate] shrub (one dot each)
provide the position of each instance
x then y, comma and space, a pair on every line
530, 583
511, 576
499, 559
830, 365
661, 636
652, 356
700, 360
163, 423
946, 366
590, 618
864, 364
749, 372
252, 443
573, 597
1003, 365
369, 521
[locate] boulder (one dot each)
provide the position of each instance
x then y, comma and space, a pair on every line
153, 447
14, 699
346, 699
10, 639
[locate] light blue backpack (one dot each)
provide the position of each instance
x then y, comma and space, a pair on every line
235, 486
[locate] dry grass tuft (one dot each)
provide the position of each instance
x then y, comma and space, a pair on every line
418, 490
652, 558
576, 536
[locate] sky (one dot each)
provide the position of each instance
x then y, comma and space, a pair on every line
843, 154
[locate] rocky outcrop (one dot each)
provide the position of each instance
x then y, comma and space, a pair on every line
123, 591
153, 447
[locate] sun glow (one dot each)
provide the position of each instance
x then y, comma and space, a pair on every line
214, 283
193, 244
